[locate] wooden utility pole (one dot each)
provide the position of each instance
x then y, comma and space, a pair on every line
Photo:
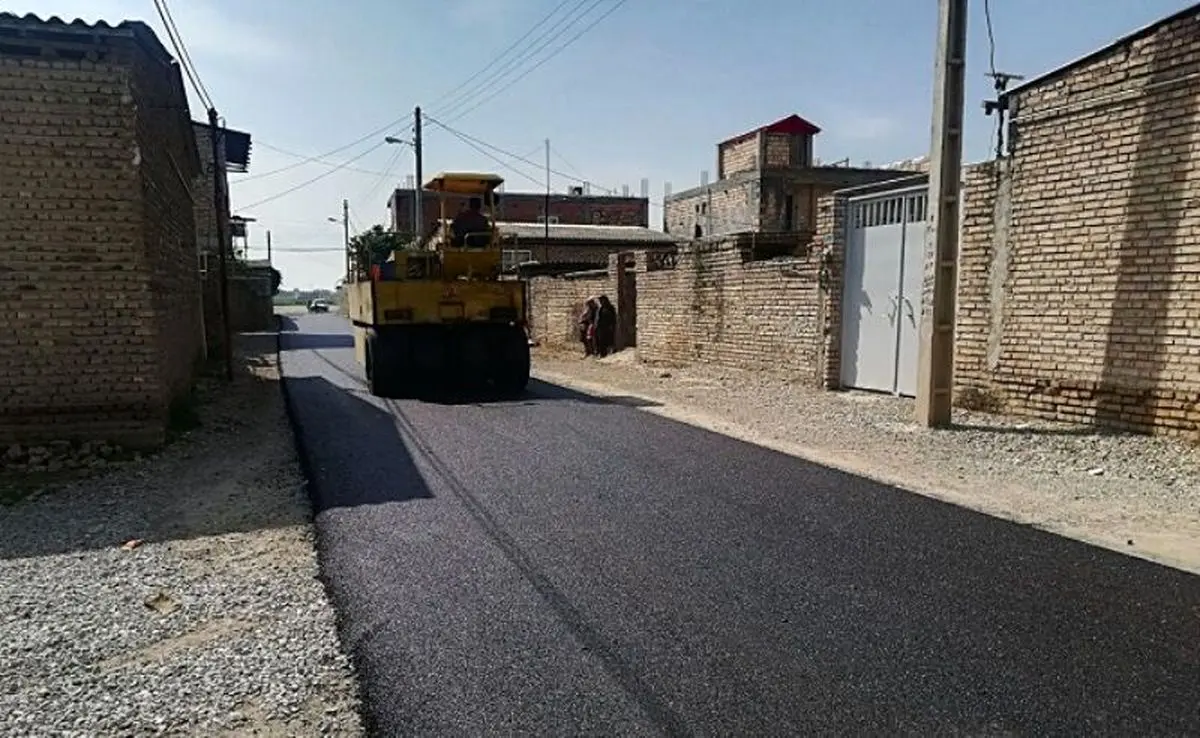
269, 262
935, 388
418, 209
346, 234
219, 209
547, 208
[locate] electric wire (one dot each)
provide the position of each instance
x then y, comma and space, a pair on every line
492, 95
306, 183
176, 39
541, 42
501, 55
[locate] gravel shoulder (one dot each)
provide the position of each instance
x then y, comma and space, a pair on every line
177, 594
1133, 494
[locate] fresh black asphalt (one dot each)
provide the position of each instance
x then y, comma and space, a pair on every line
559, 565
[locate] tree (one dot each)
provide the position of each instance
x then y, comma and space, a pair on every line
276, 280
374, 245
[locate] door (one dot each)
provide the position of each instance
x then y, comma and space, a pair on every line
881, 301
912, 283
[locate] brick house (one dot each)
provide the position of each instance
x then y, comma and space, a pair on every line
575, 208
246, 293
767, 181
1080, 259
98, 278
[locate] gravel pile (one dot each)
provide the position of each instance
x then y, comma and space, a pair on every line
176, 594
1111, 488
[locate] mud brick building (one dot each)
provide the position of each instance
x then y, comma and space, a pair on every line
767, 181
574, 208
1080, 265
99, 286
246, 296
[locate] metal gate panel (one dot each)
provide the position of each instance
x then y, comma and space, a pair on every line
881, 301
912, 283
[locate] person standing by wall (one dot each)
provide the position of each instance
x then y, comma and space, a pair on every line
606, 326
587, 326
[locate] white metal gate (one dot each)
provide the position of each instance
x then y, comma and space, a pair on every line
881, 298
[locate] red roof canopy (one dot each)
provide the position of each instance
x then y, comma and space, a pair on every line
793, 124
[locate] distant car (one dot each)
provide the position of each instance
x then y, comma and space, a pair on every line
318, 306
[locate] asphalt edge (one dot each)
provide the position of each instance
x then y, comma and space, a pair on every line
300, 446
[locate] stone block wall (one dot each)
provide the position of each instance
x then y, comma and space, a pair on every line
97, 242
1080, 287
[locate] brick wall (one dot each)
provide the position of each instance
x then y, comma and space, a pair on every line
166, 143
555, 304
728, 206
1080, 285
527, 207
757, 201
202, 191
96, 230
737, 156
718, 305
724, 301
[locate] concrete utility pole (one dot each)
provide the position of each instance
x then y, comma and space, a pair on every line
346, 234
935, 372
222, 247
547, 208
418, 210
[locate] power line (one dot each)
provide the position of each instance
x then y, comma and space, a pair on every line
546, 39
987, 17
304, 184
387, 172
408, 118
307, 159
563, 159
540, 166
318, 158
185, 61
535, 67
465, 139
500, 56
479, 145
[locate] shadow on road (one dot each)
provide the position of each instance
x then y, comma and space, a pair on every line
341, 430
537, 392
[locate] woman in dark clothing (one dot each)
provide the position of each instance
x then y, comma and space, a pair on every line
587, 325
606, 326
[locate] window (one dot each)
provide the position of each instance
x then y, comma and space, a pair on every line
203, 263
553, 219
789, 213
